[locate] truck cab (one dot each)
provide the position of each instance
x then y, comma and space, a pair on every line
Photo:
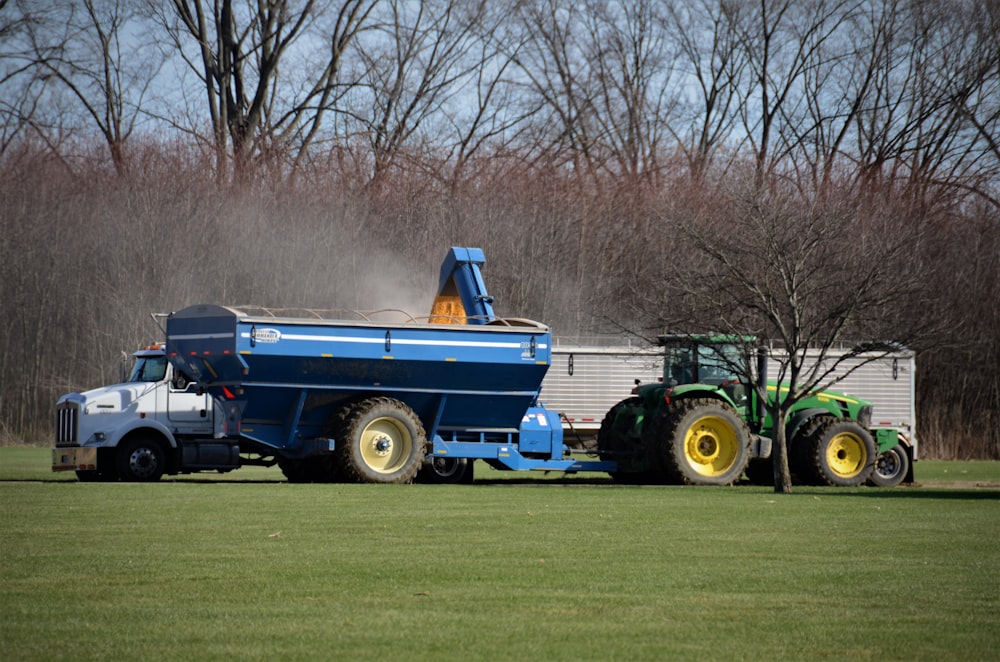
138, 429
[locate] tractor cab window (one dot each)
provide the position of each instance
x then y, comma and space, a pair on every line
148, 369
679, 366
700, 364
716, 364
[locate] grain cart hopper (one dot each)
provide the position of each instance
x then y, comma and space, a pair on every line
364, 400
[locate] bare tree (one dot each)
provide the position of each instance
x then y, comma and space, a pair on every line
708, 40
633, 70
88, 49
237, 50
783, 42
422, 56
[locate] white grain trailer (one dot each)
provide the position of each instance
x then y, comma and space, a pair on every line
586, 380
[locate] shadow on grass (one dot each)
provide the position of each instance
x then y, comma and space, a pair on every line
976, 493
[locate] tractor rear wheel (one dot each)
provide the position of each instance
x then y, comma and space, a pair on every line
891, 467
703, 442
841, 453
617, 441
381, 440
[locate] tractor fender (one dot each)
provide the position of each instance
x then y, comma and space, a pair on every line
699, 391
798, 419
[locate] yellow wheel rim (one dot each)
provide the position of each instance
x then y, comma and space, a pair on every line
846, 455
711, 446
385, 445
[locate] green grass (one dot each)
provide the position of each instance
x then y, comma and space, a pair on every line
254, 568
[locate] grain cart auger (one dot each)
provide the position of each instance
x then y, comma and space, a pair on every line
702, 425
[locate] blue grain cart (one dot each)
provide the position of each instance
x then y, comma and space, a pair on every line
366, 400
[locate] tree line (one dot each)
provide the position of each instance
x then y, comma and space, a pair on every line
324, 155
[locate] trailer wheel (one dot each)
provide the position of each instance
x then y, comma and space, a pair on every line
381, 441
318, 469
446, 470
703, 442
841, 453
141, 460
891, 467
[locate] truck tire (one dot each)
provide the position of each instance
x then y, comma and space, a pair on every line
446, 470
703, 442
141, 460
841, 453
891, 467
381, 440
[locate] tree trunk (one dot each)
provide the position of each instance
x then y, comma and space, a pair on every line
779, 459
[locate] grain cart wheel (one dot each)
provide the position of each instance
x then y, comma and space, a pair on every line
317, 469
841, 453
445, 470
381, 440
141, 460
891, 467
704, 442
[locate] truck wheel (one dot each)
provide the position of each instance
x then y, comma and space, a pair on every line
841, 453
381, 441
446, 470
141, 460
703, 442
891, 467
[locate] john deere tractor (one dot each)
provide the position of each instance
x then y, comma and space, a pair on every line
704, 425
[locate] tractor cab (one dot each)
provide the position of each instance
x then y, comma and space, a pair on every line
715, 361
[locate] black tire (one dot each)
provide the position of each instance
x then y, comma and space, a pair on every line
703, 442
141, 460
841, 453
614, 443
380, 440
760, 472
446, 470
800, 462
316, 469
891, 467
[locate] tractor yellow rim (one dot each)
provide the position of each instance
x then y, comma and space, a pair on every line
711, 446
385, 445
846, 455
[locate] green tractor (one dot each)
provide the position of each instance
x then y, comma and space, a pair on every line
703, 425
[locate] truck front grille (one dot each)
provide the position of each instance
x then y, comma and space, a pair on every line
67, 420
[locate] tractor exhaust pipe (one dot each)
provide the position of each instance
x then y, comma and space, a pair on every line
762, 354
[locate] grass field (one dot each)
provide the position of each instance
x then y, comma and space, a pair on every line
246, 566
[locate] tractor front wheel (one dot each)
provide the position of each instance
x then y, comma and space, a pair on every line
841, 453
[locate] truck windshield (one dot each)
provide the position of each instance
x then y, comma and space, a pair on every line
148, 369
700, 364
